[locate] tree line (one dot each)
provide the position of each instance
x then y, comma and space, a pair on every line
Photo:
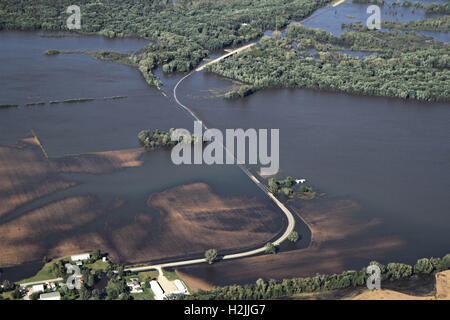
319, 283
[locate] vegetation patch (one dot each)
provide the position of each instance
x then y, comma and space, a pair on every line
115, 97
181, 32
35, 104
52, 52
287, 188
8, 106
406, 66
321, 283
78, 100
153, 139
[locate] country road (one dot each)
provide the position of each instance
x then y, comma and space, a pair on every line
287, 213
284, 209
27, 284
226, 55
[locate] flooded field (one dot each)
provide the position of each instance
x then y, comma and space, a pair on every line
384, 165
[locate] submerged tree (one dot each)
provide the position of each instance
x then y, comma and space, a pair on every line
293, 236
211, 255
270, 248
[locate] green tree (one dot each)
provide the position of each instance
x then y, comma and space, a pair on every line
95, 294
211, 255
293, 236
287, 191
289, 181
8, 285
270, 248
85, 294
16, 293
96, 255
423, 266
273, 186
396, 271
59, 269
260, 283
303, 189
34, 296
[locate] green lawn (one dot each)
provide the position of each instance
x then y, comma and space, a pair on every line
143, 276
152, 274
147, 294
98, 265
170, 275
44, 274
8, 295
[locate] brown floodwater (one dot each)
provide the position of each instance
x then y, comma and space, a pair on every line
388, 156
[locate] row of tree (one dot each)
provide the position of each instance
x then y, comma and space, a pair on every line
288, 287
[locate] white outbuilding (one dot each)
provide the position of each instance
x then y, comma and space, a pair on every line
80, 257
38, 288
50, 296
181, 289
157, 290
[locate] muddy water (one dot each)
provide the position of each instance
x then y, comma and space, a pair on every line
390, 156
100, 125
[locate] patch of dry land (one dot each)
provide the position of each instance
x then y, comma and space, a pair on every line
442, 291
176, 223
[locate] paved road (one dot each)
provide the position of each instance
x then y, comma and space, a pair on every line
226, 55
287, 213
27, 284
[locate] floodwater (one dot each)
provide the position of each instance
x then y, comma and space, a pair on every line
332, 18
390, 156
99, 125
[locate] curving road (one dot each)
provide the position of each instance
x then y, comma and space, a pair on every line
226, 55
287, 213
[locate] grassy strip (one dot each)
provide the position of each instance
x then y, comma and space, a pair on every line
43, 35
78, 100
35, 104
45, 273
52, 52
115, 97
72, 100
